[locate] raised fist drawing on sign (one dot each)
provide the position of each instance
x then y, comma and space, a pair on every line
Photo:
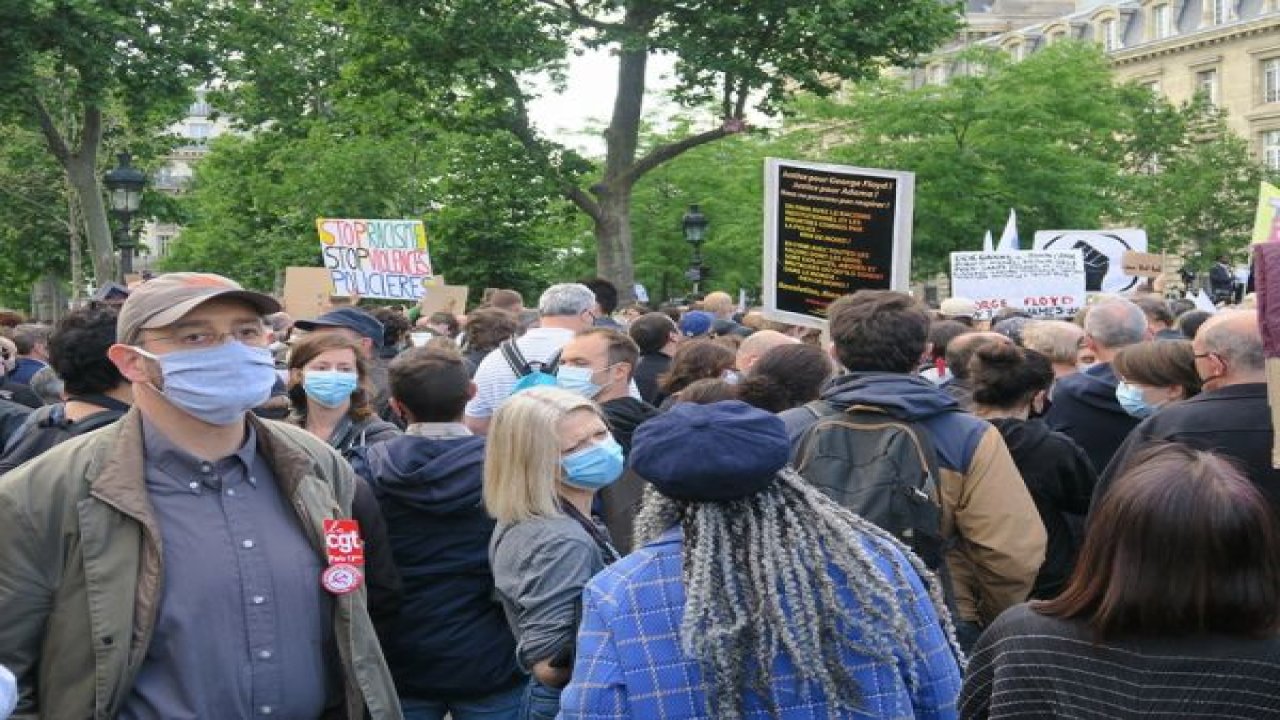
1096, 265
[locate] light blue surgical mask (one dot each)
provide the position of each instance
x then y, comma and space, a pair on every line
577, 380
595, 466
330, 388
217, 385
1133, 401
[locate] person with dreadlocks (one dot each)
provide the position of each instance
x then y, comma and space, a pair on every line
754, 594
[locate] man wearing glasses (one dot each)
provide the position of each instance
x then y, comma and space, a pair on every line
174, 564
1230, 416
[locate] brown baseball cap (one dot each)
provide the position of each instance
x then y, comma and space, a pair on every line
162, 301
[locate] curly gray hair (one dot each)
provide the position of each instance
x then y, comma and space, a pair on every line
758, 581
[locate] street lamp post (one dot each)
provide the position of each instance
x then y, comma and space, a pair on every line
124, 182
695, 231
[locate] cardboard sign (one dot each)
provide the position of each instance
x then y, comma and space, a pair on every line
1266, 220
307, 292
1103, 252
1042, 283
444, 298
830, 230
1138, 264
385, 259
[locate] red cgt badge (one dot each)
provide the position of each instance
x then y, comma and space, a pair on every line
344, 550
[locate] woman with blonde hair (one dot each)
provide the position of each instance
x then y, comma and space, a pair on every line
548, 452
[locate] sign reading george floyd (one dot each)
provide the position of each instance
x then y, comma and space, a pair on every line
375, 258
830, 230
1042, 283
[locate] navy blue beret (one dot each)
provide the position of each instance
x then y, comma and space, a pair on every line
706, 453
349, 318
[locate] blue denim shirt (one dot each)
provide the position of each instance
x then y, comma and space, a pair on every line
243, 628
630, 665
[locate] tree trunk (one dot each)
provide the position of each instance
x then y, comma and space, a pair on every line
73, 236
81, 166
614, 255
82, 173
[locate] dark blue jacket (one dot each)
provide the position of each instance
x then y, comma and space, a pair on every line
452, 640
1085, 409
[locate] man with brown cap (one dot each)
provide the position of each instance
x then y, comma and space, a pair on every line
189, 560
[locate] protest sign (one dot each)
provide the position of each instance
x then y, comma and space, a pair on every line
375, 258
830, 230
1047, 284
444, 298
1138, 264
307, 291
1103, 252
1266, 221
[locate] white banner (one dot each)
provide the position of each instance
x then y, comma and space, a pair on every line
1103, 252
1047, 284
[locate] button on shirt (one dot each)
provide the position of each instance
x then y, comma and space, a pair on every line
243, 629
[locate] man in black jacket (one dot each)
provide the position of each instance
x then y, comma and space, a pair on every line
603, 360
656, 335
1084, 405
451, 650
1230, 416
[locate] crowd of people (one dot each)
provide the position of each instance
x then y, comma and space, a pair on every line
209, 508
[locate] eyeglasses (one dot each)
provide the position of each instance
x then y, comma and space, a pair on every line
1201, 356
201, 338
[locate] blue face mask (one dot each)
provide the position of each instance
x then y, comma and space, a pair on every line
1131, 399
217, 385
577, 380
594, 467
330, 388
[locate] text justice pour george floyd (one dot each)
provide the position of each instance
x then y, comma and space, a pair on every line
376, 258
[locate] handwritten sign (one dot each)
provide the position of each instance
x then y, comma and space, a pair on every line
1103, 252
831, 230
375, 258
1048, 284
1138, 264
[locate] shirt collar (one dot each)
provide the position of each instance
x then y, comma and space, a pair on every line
162, 453
439, 430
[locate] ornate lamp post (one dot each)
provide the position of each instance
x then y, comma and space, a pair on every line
695, 231
124, 184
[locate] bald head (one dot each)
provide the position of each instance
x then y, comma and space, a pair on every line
759, 343
961, 350
1229, 349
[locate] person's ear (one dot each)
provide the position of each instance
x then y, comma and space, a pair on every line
132, 365
400, 410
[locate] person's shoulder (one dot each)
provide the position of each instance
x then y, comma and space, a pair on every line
539, 530
298, 438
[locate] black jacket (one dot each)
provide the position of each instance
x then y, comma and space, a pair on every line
648, 368
1085, 409
451, 640
1234, 420
1061, 481
620, 502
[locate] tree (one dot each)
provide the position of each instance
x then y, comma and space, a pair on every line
1052, 136
35, 205
252, 209
465, 63
77, 68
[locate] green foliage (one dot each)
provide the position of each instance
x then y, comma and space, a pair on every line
1053, 137
252, 209
33, 205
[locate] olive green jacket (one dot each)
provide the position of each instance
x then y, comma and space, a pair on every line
81, 570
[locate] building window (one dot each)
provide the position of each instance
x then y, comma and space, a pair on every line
1018, 51
1153, 87
1207, 85
162, 245
1271, 80
1219, 11
1161, 21
1110, 31
937, 75
1271, 149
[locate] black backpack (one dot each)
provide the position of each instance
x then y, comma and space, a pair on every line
880, 467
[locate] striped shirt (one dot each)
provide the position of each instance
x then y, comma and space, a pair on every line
494, 378
1030, 666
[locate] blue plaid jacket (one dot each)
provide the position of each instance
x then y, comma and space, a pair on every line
629, 663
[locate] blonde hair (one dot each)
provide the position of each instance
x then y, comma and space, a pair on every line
522, 459
1059, 341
